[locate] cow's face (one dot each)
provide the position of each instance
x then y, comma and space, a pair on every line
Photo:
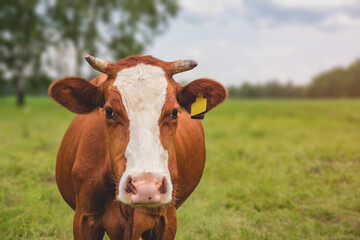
142, 110
140, 103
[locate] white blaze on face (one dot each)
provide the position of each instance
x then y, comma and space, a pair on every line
143, 92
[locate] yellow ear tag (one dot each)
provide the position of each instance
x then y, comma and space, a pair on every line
198, 107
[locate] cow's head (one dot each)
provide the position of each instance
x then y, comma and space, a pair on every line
140, 102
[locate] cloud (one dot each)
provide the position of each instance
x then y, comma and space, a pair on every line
322, 14
340, 20
325, 14
315, 5
279, 15
211, 7
258, 41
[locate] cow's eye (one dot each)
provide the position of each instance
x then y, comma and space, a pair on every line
110, 113
174, 114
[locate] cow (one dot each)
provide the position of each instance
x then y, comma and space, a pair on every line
133, 154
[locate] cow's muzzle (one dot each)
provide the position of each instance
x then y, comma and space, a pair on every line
146, 191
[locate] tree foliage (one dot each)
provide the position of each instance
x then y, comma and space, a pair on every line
337, 82
334, 83
29, 28
271, 89
123, 27
21, 41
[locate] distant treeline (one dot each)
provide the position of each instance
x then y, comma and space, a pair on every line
335, 83
36, 84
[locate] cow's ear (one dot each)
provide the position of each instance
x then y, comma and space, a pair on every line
77, 94
213, 91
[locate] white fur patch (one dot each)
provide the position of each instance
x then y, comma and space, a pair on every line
143, 92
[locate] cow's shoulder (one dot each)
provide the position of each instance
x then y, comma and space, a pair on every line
91, 168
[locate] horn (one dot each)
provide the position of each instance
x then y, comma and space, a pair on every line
183, 65
97, 63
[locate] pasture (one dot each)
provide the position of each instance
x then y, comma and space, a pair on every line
276, 169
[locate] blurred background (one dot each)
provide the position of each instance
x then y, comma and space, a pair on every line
283, 150
275, 48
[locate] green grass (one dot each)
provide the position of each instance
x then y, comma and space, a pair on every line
275, 170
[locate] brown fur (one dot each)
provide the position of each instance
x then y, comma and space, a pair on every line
91, 157
81, 96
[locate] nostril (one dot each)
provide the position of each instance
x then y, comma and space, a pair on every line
130, 188
162, 188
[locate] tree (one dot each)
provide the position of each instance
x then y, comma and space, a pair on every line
123, 27
331, 84
354, 79
21, 41
29, 28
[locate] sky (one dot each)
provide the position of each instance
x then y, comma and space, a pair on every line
259, 40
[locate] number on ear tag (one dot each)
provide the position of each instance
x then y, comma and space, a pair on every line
198, 107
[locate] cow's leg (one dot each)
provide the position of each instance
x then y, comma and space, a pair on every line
87, 227
166, 229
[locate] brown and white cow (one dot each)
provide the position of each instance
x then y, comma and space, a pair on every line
133, 154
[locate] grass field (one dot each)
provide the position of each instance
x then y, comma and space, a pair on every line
275, 170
